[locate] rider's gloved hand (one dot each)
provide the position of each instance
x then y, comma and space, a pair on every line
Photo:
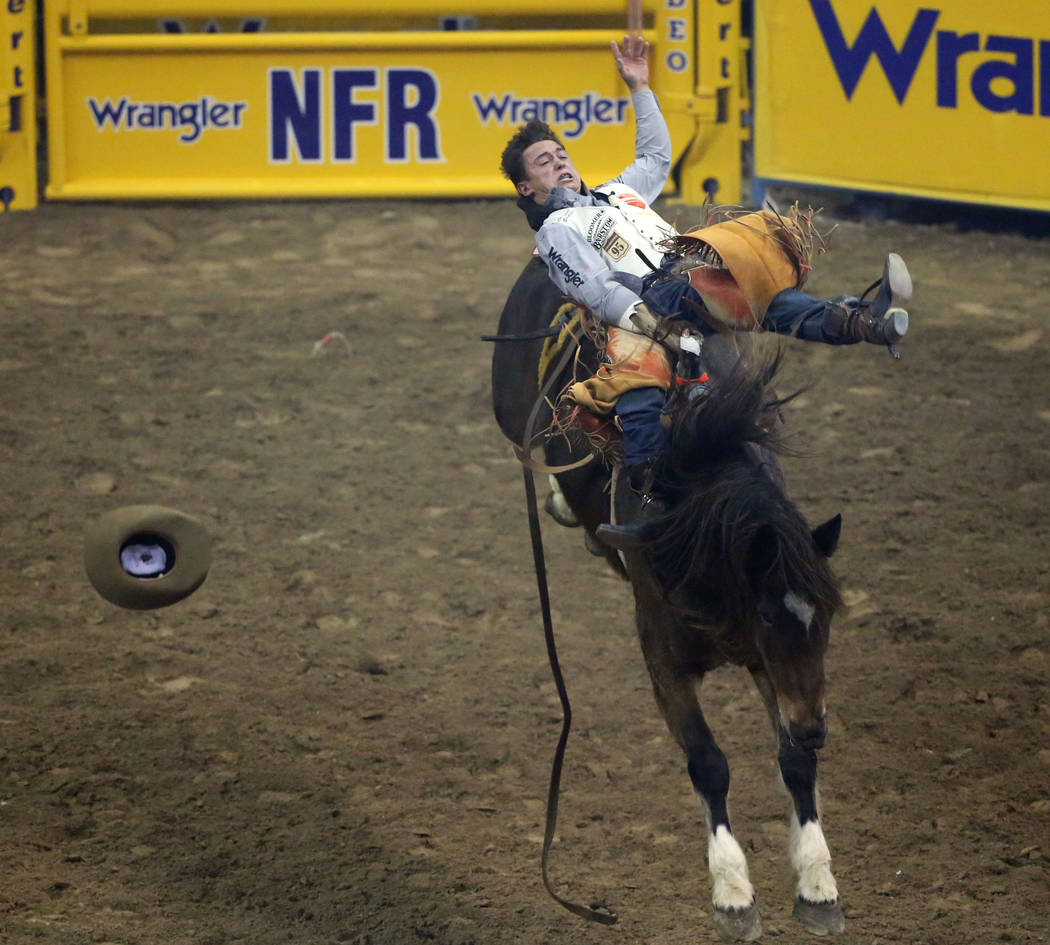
644, 321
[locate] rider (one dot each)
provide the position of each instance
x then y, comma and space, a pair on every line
600, 245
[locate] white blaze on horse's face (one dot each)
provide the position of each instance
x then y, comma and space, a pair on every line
800, 608
792, 641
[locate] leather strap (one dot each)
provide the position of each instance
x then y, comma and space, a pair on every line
584, 912
524, 452
526, 460
553, 790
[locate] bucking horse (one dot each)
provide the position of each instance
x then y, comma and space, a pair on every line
735, 577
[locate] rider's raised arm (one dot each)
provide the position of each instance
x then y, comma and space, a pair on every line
652, 141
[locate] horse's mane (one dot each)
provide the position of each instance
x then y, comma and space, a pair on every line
731, 528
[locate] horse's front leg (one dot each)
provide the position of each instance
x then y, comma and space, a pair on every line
736, 914
816, 893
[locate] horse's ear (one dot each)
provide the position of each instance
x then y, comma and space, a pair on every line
826, 536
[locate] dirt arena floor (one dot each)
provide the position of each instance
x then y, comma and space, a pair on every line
345, 735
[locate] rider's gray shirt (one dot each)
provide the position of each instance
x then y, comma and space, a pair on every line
577, 267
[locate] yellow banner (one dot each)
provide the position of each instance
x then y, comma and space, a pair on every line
284, 105
377, 119
18, 133
948, 100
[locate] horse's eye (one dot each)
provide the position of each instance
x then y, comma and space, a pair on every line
766, 613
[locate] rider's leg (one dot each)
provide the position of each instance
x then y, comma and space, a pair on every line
644, 444
631, 383
846, 320
644, 439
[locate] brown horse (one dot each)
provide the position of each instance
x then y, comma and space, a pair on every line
736, 577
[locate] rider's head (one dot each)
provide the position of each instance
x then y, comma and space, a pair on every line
535, 160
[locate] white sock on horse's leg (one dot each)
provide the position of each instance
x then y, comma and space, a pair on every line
732, 887
811, 861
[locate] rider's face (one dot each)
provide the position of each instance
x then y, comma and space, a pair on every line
546, 166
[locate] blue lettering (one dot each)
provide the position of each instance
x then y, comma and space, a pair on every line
572, 110
950, 46
997, 85
491, 108
16, 6
1044, 78
676, 29
420, 86
16, 38
187, 118
18, 77
577, 113
300, 114
873, 39
174, 26
107, 112
677, 61
346, 112
1020, 74
191, 119
570, 275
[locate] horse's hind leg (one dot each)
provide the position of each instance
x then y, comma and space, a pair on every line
816, 893
736, 915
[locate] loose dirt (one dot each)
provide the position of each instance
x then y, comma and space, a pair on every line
344, 736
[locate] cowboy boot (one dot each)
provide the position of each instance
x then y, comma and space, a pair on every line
646, 524
882, 321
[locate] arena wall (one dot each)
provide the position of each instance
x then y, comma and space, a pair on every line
254, 98
18, 130
948, 100
230, 99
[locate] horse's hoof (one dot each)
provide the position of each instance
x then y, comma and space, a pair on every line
558, 509
820, 918
738, 925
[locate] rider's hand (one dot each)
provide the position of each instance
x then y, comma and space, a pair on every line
632, 61
644, 321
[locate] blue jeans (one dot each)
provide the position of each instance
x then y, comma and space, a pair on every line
792, 312
639, 413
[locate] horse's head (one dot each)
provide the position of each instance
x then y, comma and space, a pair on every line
796, 597
736, 553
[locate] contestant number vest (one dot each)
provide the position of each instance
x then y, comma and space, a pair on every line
620, 229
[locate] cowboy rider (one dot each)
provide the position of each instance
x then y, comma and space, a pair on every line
601, 244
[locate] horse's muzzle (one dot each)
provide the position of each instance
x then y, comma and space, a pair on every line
809, 735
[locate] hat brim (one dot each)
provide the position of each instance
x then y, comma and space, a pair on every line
185, 539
